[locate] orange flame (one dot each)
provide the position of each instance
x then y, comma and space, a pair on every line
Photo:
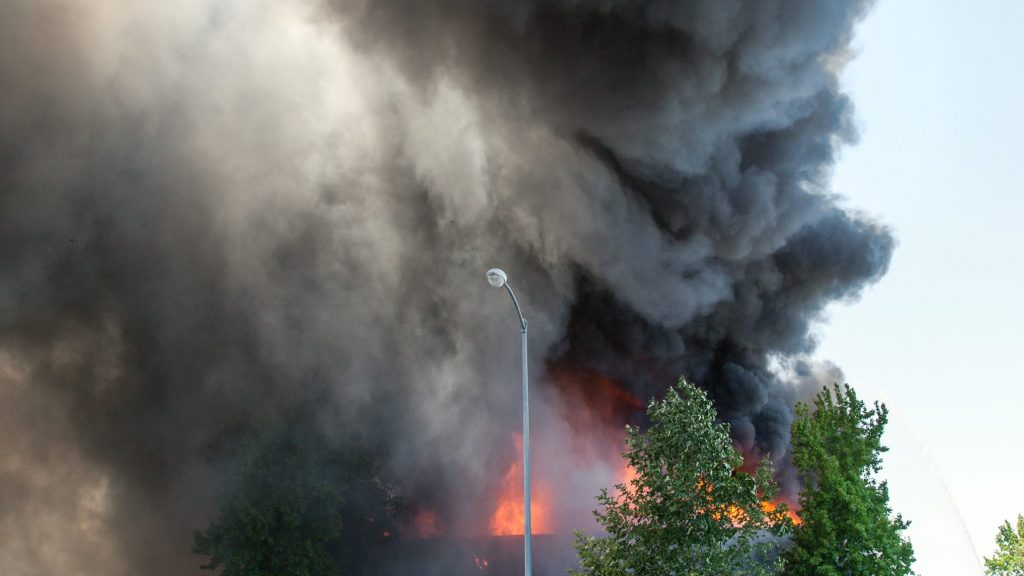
739, 517
734, 513
770, 507
509, 516
627, 475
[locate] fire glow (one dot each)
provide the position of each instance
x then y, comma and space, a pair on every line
770, 507
627, 475
426, 525
597, 409
509, 516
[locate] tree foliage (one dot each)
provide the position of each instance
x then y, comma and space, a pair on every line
688, 511
285, 509
1009, 557
847, 526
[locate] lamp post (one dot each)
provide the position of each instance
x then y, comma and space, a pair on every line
497, 278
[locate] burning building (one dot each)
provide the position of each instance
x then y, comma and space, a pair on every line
218, 217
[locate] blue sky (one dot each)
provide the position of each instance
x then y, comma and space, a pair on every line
938, 90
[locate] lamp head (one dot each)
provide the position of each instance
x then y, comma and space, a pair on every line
497, 277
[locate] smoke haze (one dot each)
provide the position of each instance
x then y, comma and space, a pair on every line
219, 216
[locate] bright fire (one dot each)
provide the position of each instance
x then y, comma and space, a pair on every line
596, 408
509, 517
771, 507
627, 474
739, 517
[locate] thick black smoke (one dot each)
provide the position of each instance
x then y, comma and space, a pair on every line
216, 215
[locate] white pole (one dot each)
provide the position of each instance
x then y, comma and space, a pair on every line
497, 278
527, 532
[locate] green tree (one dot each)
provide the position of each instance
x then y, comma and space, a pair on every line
847, 526
283, 516
688, 511
284, 508
1009, 557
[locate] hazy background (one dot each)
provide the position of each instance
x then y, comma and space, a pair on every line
937, 87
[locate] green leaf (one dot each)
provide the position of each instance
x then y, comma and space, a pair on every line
688, 511
847, 526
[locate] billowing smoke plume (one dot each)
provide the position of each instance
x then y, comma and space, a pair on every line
218, 216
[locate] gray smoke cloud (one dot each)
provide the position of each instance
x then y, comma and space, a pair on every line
220, 216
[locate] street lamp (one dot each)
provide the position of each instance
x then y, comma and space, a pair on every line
497, 278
